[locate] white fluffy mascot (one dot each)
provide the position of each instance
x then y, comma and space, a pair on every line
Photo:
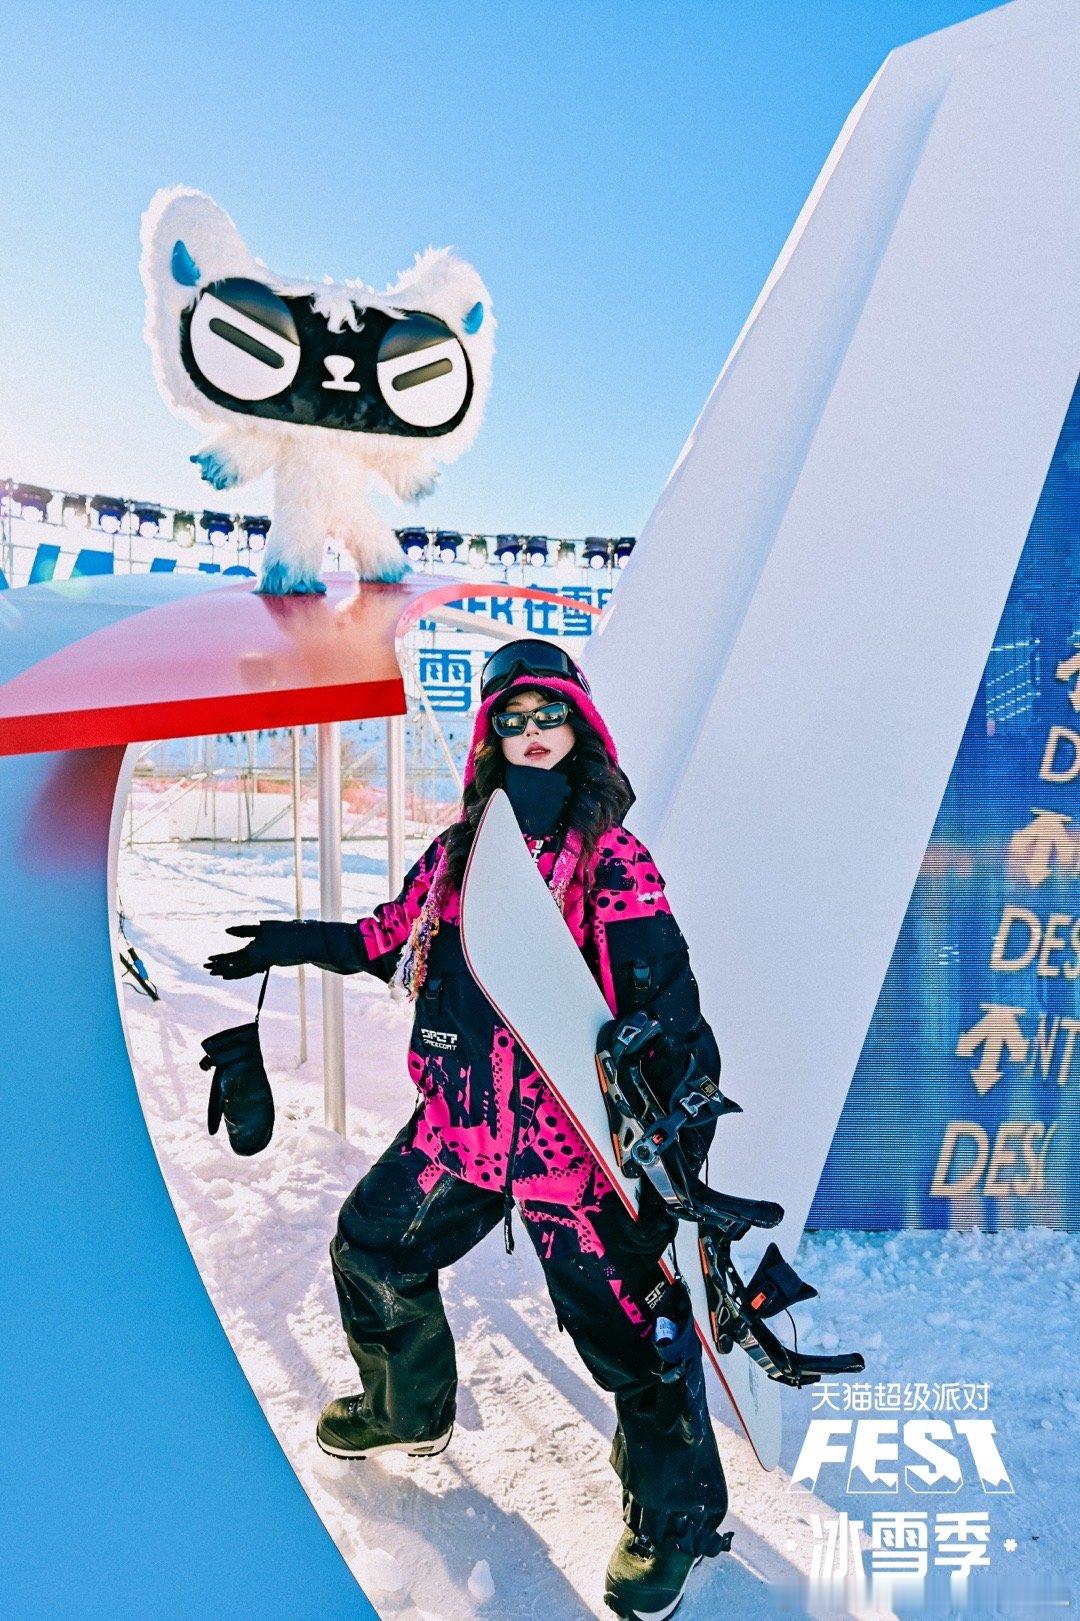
325, 383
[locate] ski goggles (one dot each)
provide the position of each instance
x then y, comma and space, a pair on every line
528, 658
511, 723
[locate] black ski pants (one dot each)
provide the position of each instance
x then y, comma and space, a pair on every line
392, 1240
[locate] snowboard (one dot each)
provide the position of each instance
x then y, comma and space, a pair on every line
540, 984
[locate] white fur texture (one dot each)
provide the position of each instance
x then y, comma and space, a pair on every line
321, 474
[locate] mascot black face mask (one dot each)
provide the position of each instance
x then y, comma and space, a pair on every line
254, 352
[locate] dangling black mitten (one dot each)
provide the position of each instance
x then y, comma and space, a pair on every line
240, 1091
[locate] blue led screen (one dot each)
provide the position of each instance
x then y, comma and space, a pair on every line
963, 1108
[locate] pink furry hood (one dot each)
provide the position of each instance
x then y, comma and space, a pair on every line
566, 689
412, 969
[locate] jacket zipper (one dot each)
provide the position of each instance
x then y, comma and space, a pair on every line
508, 1190
429, 1199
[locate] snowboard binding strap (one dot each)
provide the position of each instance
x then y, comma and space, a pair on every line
737, 1312
646, 1134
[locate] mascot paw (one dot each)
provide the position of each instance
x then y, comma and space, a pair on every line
279, 581
218, 471
390, 572
422, 486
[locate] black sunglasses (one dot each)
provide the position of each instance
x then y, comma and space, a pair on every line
511, 722
527, 658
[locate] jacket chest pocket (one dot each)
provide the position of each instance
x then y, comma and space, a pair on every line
434, 1030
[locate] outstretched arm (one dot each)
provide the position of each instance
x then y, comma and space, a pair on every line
373, 945
410, 475
236, 456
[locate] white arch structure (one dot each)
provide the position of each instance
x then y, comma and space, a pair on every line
107, 1322
850, 508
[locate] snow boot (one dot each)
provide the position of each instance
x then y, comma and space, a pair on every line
646, 1580
346, 1429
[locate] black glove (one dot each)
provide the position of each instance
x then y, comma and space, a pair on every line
662, 1060
278, 944
239, 1092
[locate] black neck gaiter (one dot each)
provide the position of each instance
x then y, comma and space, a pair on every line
538, 795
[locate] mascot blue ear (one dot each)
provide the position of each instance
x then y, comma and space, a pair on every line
184, 268
472, 321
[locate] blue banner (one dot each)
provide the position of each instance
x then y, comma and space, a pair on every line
963, 1108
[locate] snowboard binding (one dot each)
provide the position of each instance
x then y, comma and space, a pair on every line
646, 1137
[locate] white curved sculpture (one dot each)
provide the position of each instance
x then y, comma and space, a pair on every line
850, 507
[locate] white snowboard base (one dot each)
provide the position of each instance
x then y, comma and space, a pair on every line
524, 958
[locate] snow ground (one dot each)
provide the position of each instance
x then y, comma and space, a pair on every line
518, 1516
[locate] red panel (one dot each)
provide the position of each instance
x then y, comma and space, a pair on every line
442, 591
227, 660
198, 717
220, 660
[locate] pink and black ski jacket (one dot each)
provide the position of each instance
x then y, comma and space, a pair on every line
484, 1114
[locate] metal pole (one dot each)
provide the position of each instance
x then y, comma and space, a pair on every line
298, 864
211, 751
395, 814
251, 787
333, 1001
9, 545
395, 802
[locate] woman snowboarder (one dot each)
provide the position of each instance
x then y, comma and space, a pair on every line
487, 1133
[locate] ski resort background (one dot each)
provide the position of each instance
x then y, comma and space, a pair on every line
961, 1110
868, 690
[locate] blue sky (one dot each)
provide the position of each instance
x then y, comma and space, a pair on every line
622, 175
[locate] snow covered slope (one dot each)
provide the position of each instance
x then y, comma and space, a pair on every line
525, 1484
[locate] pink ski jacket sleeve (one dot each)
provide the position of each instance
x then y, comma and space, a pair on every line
385, 932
